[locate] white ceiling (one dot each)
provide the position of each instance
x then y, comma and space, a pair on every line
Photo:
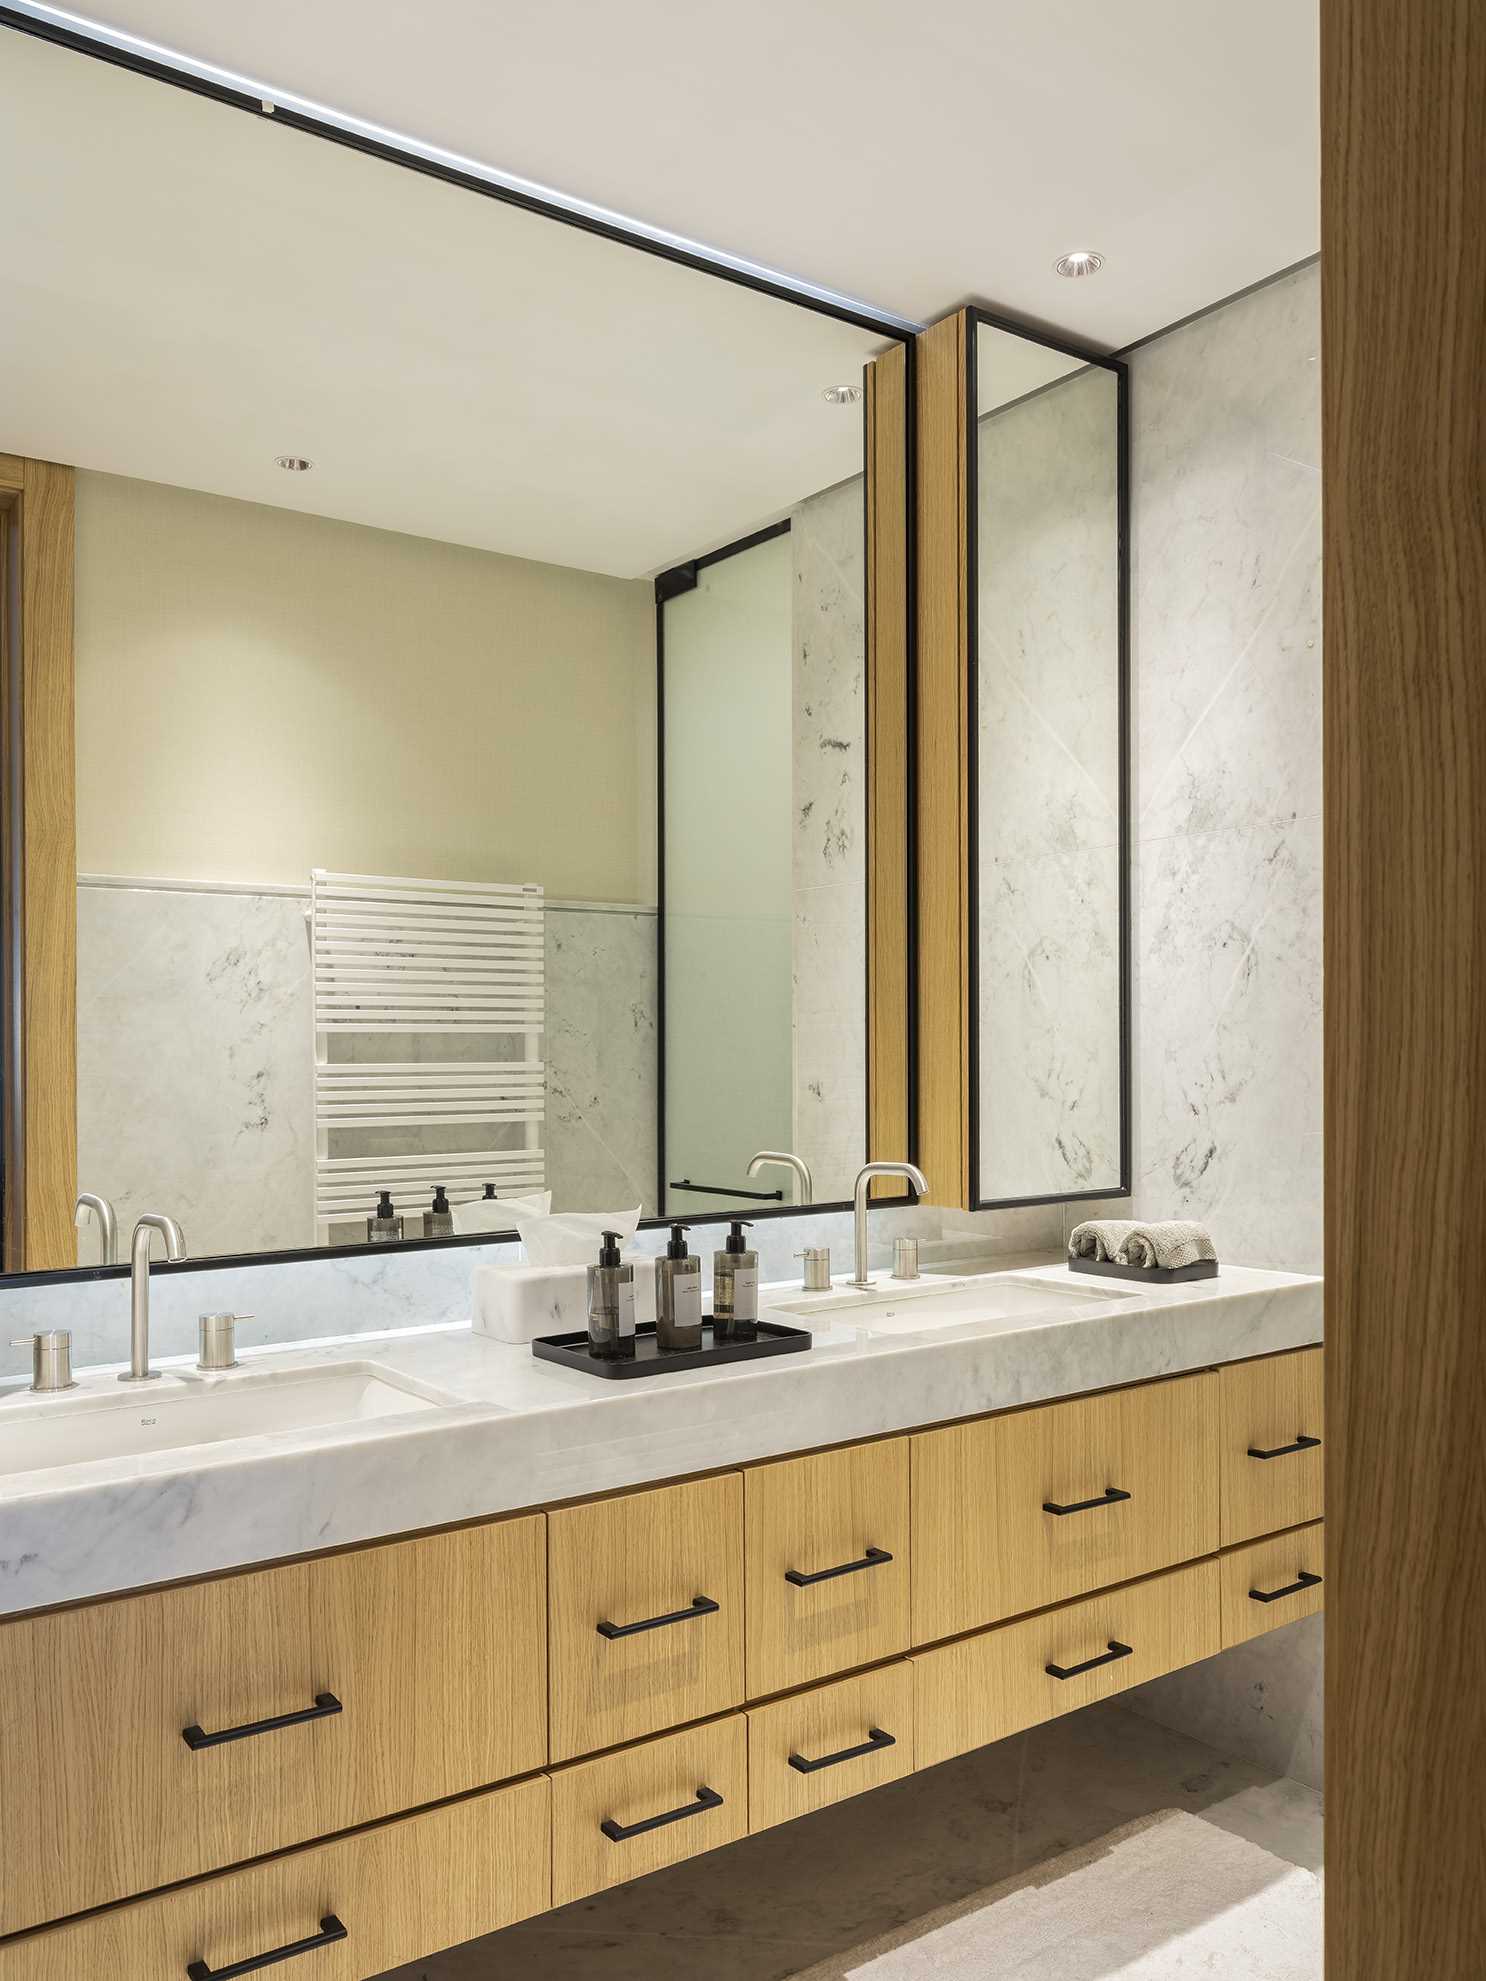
186, 292
915, 156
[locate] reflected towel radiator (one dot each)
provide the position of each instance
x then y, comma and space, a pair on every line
434, 963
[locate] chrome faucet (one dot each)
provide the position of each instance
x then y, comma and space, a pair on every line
139, 1289
914, 1175
108, 1225
804, 1181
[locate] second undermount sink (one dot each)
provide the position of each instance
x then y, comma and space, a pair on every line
176, 1413
907, 1307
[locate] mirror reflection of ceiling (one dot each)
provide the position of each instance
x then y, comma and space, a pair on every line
1008, 367
187, 292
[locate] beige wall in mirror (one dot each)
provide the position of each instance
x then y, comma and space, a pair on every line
368, 868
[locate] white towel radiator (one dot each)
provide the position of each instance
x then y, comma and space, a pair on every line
425, 960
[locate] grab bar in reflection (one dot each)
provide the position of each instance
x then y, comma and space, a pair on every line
728, 1190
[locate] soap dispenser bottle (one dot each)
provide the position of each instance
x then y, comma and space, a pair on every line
611, 1303
678, 1295
384, 1226
438, 1222
735, 1289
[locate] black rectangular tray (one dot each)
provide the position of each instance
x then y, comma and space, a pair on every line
1152, 1275
573, 1351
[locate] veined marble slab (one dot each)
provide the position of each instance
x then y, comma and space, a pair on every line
525, 1433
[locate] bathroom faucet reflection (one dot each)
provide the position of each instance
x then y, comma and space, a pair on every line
804, 1181
909, 1170
139, 1289
108, 1225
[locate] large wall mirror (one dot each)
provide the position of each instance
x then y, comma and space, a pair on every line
470, 665
1048, 606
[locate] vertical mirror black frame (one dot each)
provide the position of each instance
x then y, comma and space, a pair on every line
432, 163
974, 318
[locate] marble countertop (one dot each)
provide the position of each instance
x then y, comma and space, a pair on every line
517, 1432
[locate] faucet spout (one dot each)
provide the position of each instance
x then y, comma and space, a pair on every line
108, 1225
804, 1181
148, 1224
865, 1175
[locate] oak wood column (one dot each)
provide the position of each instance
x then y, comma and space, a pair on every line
944, 935
40, 865
1404, 350
889, 729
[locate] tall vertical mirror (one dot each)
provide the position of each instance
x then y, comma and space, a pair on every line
465, 672
1049, 602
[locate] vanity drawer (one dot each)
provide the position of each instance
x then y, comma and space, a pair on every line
433, 1650
646, 1597
661, 1801
826, 1548
1272, 1582
853, 1735
399, 1891
1134, 1470
986, 1687
1274, 1406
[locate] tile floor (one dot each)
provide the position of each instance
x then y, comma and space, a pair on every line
818, 1898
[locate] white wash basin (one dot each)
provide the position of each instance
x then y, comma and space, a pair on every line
911, 1307
38, 1433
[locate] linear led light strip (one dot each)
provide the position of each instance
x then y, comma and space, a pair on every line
277, 99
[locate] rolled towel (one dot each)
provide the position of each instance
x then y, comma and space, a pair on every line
1129, 1242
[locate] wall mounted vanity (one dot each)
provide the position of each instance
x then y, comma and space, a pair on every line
930, 1532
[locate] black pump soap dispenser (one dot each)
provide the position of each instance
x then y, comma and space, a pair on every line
678, 1295
611, 1303
735, 1288
384, 1226
438, 1222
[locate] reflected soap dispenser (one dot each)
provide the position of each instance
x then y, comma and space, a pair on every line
438, 1221
384, 1226
611, 1303
735, 1288
678, 1296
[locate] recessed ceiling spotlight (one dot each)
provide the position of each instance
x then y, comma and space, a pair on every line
842, 395
1082, 261
294, 464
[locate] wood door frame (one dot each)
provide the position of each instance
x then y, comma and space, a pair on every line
1403, 306
38, 865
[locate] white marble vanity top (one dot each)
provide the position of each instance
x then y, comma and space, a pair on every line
510, 1431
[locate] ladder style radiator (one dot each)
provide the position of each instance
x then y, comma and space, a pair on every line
425, 961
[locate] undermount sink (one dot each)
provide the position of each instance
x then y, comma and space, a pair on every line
909, 1308
179, 1412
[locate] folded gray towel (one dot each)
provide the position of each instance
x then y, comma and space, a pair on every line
1130, 1242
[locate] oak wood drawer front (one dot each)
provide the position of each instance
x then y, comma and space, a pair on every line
400, 1891
626, 1814
434, 1651
1135, 1472
1275, 1407
1272, 1582
823, 1594
820, 1747
672, 1561
986, 1687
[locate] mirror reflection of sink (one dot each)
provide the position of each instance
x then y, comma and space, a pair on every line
172, 1415
908, 1308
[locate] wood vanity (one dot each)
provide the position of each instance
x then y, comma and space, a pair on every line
369, 1755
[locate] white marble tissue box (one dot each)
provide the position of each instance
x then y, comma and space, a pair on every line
517, 1303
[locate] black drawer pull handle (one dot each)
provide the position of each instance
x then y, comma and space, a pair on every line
874, 1743
1306, 1581
326, 1704
1111, 1496
707, 1798
330, 1931
1116, 1650
1285, 1450
698, 1606
873, 1558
